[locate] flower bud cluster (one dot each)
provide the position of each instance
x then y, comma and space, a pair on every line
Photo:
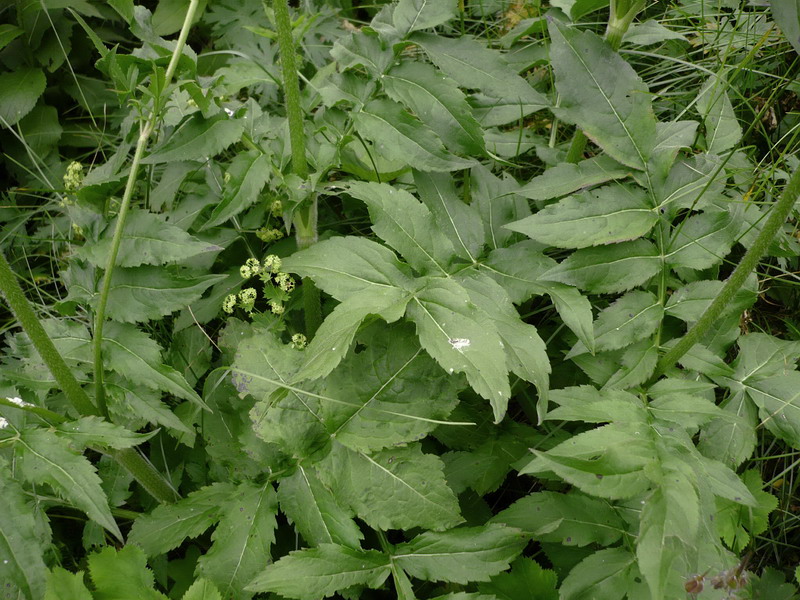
73, 179
277, 286
266, 234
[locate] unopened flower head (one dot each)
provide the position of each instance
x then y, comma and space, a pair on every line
229, 303
250, 268
276, 307
73, 178
266, 234
285, 282
247, 299
272, 263
3, 423
276, 206
299, 341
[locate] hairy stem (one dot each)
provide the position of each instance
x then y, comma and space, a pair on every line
149, 478
777, 217
141, 145
305, 221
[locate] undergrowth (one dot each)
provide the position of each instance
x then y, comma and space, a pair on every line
464, 299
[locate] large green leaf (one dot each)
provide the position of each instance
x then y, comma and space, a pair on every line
146, 240
602, 94
631, 318
498, 203
702, 241
168, 525
572, 519
475, 66
346, 266
249, 173
19, 91
122, 575
566, 178
722, 127
45, 458
518, 270
388, 394
406, 225
134, 355
397, 135
334, 337
314, 511
396, 488
283, 414
197, 139
316, 573
693, 183
526, 580
460, 222
787, 15
63, 585
604, 575
453, 331
242, 540
461, 555
411, 15
141, 293
778, 400
438, 103
608, 269
607, 215
22, 568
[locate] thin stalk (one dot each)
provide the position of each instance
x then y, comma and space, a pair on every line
777, 217
305, 220
619, 20
149, 478
127, 195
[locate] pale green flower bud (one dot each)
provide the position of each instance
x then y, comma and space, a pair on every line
229, 303
299, 341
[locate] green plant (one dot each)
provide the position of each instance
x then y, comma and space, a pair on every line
515, 362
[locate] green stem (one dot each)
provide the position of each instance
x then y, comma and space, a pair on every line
127, 195
150, 479
777, 217
619, 20
305, 221
23, 310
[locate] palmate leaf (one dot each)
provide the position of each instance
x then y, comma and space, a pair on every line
168, 525
694, 183
461, 555
396, 488
390, 393
608, 269
314, 511
475, 66
566, 178
45, 458
438, 103
242, 539
405, 224
460, 222
147, 240
498, 203
315, 573
606, 215
22, 568
518, 269
602, 94
399, 136
197, 139
453, 331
